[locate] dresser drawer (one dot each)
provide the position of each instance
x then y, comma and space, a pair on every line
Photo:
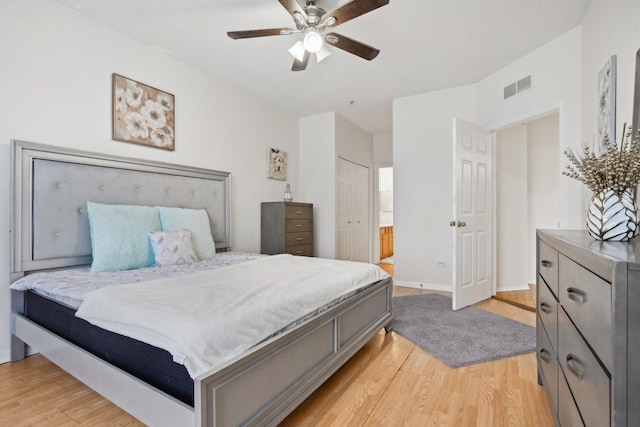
548, 265
302, 238
302, 250
588, 381
547, 366
568, 413
548, 312
299, 212
587, 300
294, 225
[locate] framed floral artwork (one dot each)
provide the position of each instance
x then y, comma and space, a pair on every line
607, 100
142, 114
276, 164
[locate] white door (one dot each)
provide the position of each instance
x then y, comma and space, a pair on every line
353, 211
473, 213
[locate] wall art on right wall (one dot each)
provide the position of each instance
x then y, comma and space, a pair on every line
607, 100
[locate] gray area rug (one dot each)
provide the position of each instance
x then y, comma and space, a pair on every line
459, 338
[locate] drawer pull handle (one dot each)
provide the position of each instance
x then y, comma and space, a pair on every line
299, 239
572, 362
547, 264
545, 307
299, 225
577, 295
545, 355
298, 212
298, 252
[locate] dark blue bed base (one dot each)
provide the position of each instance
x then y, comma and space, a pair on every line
151, 364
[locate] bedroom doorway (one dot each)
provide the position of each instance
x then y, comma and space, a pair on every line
385, 214
527, 198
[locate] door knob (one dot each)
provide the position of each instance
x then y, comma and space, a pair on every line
452, 223
462, 224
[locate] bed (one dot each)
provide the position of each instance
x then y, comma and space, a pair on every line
49, 231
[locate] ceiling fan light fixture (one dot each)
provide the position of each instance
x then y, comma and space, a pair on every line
323, 53
312, 40
297, 51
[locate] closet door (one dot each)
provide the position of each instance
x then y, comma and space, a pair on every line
353, 211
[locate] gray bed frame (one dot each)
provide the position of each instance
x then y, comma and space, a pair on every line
49, 230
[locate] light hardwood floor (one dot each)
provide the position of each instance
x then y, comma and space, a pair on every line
389, 382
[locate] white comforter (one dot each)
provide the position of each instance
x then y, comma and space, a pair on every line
210, 317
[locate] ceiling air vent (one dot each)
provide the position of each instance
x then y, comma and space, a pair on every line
515, 88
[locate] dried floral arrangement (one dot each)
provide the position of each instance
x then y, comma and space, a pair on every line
615, 168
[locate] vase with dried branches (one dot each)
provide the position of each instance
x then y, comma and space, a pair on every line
612, 173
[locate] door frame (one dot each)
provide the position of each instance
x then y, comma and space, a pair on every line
376, 209
563, 220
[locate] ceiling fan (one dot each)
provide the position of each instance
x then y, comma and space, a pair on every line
313, 21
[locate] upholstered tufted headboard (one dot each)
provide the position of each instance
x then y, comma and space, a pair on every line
51, 186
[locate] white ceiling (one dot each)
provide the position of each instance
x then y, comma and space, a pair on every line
425, 45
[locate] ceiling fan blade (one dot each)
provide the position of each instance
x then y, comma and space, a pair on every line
301, 65
294, 8
352, 46
260, 33
351, 10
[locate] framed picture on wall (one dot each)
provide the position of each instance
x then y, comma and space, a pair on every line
607, 100
276, 164
142, 114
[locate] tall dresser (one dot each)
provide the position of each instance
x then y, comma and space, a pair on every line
286, 227
588, 328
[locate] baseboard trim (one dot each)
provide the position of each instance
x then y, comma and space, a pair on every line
513, 288
427, 286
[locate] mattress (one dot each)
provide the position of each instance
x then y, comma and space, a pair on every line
319, 285
151, 364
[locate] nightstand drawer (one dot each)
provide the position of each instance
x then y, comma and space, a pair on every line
299, 212
588, 381
302, 238
294, 225
587, 300
302, 250
548, 265
548, 312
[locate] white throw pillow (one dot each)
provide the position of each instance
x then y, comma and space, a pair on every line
172, 247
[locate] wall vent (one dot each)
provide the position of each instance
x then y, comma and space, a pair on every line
517, 87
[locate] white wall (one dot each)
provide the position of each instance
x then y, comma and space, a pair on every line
324, 138
609, 27
318, 179
556, 74
56, 89
423, 183
511, 208
422, 153
353, 143
383, 149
